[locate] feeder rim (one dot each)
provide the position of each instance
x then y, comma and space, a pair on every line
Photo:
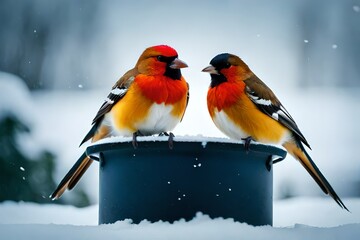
112, 142
186, 138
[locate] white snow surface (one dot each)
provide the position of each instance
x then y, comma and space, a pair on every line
34, 221
178, 138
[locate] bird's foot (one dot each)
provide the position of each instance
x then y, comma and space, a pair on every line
170, 140
134, 139
247, 143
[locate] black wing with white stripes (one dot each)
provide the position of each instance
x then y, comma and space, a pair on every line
114, 96
117, 93
262, 96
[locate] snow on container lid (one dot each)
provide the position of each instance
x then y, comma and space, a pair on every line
214, 176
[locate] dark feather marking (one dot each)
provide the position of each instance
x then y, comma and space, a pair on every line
76, 177
69, 175
322, 182
256, 90
106, 106
92, 131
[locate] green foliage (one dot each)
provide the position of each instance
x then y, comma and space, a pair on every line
23, 178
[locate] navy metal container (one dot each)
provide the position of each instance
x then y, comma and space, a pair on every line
214, 176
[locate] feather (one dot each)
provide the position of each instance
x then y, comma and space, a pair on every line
268, 103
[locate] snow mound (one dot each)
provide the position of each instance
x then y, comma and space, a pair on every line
35, 221
15, 98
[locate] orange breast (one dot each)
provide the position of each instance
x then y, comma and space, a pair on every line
244, 115
141, 95
224, 96
133, 107
161, 89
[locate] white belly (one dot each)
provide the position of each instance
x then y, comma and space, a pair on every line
227, 126
159, 120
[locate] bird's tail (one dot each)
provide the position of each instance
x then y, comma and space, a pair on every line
296, 149
96, 133
73, 176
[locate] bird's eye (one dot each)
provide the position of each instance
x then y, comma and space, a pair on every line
160, 58
227, 65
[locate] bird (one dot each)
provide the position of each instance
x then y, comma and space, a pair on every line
244, 108
151, 98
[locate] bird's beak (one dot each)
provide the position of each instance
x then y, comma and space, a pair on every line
210, 69
177, 64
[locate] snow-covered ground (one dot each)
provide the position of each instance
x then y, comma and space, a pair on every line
299, 218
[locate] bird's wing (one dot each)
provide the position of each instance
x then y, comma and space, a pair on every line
262, 96
116, 94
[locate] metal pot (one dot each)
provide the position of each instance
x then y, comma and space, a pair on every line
217, 177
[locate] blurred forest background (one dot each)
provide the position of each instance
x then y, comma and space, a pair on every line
78, 48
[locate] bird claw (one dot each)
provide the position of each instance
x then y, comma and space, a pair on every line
247, 143
134, 140
170, 139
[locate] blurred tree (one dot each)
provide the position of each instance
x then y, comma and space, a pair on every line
42, 41
25, 179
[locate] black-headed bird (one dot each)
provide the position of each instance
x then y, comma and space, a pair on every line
244, 108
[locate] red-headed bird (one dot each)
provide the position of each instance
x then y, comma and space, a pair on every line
149, 99
243, 107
